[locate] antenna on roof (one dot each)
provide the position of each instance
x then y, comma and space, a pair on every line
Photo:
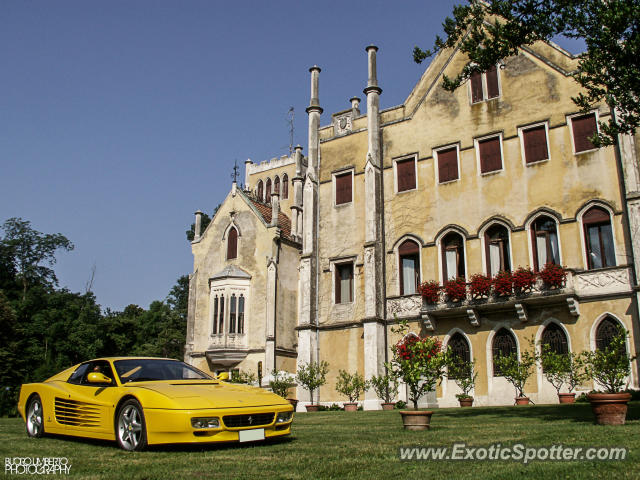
236, 171
291, 115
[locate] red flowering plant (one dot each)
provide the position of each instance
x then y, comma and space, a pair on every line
419, 361
503, 283
430, 291
480, 286
553, 276
523, 280
456, 290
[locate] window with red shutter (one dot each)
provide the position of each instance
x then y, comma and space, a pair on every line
492, 83
343, 188
583, 129
484, 86
406, 172
476, 87
447, 165
490, 155
535, 144
232, 243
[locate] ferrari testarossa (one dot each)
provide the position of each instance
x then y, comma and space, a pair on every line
150, 401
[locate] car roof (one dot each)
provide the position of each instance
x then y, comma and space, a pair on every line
113, 359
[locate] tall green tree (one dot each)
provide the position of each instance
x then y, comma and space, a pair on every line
491, 30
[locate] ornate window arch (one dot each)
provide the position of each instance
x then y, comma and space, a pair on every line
555, 338
285, 186
606, 330
597, 230
267, 191
504, 343
409, 266
232, 243
545, 243
452, 255
276, 184
460, 349
260, 191
497, 247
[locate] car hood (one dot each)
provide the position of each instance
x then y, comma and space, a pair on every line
199, 395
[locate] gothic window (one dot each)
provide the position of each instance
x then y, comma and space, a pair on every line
215, 315
606, 331
504, 344
344, 282
460, 352
554, 339
260, 191
232, 243
598, 238
583, 128
406, 174
484, 86
241, 314
285, 186
276, 185
232, 314
452, 247
544, 237
409, 256
496, 240
267, 193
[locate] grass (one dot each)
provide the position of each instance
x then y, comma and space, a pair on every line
341, 445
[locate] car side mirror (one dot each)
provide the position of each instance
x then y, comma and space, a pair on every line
223, 376
97, 377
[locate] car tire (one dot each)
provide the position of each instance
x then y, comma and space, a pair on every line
34, 417
130, 426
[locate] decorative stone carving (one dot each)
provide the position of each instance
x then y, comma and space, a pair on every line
404, 306
473, 317
521, 310
603, 281
343, 124
428, 321
574, 306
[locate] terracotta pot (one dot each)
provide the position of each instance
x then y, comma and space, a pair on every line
609, 408
567, 397
522, 400
350, 407
312, 408
416, 419
466, 402
388, 406
293, 402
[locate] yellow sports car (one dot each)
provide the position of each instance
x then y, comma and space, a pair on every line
149, 401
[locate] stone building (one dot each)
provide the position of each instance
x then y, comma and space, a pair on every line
326, 251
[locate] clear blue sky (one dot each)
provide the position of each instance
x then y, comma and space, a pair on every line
118, 119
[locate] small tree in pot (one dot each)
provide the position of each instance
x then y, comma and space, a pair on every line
280, 384
312, 376
462, 372
517, 371
610, 368
386, 387
351, 386
562, 369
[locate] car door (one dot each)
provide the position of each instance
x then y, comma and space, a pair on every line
89, 406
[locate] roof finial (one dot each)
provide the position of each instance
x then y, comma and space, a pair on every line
236, 171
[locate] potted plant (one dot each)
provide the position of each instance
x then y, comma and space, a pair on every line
420, 363
517, 371
562, 369
523, 280
430, 292
456, 289
351, 386
462, 372
503, 283
280, 384
553, 276
312, 376
480, 286
386, 387
610, 368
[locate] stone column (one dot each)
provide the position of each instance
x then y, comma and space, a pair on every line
275, 208
296, 206
198, 227
271, 308
374, 339
355, 106
247, 166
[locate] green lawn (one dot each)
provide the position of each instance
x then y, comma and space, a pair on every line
358, 445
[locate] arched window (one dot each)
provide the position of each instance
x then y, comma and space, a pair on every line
504, 344
260, 191
215, 315
285, 186
459, 347
544, 237
606, 331
554, 339
598, 238
452, 246
232, 314
241, 314
267, 193
232, 243
496, 240
276, 185
409, 262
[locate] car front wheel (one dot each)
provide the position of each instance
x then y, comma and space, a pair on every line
35, 417
131, 430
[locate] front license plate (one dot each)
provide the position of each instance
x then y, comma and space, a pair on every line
251, 435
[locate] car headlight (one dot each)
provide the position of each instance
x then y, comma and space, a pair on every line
284, 417
205, 422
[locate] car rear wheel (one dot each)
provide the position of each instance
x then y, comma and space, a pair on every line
131, 429
35, 417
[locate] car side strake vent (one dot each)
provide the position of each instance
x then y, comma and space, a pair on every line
249, 420
77, 414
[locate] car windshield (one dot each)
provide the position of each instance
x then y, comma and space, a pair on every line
145, 369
